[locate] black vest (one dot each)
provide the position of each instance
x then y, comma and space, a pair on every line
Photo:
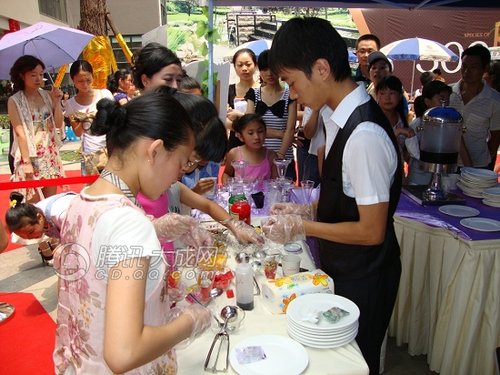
350, 262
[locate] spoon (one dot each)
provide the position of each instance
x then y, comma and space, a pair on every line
229, 314
215, 292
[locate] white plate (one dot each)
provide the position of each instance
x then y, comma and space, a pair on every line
321, 335
479, 172
309, 304
493, 191
283, 356
481, 224
491, 203
458, 210
470, 192
321, 339
323, 345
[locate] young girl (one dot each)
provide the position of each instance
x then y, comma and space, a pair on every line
30, 221
116, 248
389, 93
251, 129
272, 101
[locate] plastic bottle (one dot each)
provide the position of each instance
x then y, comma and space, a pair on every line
244, 286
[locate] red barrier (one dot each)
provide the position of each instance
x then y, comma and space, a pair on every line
47, 182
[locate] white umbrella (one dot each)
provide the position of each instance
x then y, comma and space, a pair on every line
257, 46
415, 49
54, 45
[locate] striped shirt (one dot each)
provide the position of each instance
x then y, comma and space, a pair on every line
275, 116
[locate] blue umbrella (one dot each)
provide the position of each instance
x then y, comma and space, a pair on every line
414, 49
352, 56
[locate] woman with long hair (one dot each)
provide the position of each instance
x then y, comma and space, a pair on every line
35, 114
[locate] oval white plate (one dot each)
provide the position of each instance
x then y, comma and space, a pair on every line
479, 172
491, 203
283, 356
493, 191
458, 210
481, 224
310, 304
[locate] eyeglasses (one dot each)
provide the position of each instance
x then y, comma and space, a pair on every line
191, 164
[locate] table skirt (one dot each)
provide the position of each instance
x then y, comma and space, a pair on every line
448, 304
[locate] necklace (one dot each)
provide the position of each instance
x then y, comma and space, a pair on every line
120, 184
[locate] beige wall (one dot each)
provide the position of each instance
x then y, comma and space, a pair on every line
26, 12
129, 16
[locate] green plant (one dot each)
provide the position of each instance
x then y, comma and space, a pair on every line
4, 122
209, 34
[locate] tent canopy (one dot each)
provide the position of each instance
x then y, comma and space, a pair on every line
382, 4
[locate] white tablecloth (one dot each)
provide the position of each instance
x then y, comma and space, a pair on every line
346, 360
448, 304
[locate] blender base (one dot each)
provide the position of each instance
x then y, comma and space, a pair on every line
416, 192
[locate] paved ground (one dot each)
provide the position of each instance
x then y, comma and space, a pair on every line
21, 270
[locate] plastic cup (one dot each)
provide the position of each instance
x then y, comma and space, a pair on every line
258, 199
270, 267
290, 264
210, 193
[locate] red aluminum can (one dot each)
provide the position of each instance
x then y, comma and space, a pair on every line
240, 210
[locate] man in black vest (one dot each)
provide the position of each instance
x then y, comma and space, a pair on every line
361, 178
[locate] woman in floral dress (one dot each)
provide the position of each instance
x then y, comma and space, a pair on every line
34, 114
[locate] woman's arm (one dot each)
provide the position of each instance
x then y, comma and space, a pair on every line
310, 126
128, 343
22, 140
228, 168
271, 156
250, 106
290, 130
193, 200
56, 95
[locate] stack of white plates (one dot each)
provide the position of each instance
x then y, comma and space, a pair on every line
473, 181
491, 196
301, 314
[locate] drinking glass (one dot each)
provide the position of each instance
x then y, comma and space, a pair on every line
286, 186
239, 169
282, 165
307, 187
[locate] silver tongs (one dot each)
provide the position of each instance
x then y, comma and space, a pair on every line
220, 340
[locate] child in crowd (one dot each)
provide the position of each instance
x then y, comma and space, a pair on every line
433, 94
389, 94
190, 85
33, 221
251, 129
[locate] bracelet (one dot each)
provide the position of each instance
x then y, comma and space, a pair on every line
22, 162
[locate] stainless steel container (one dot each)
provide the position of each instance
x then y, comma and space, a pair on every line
441, 133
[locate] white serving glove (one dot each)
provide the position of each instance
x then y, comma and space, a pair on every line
284, 228
243, 232
306, 211
173, 226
